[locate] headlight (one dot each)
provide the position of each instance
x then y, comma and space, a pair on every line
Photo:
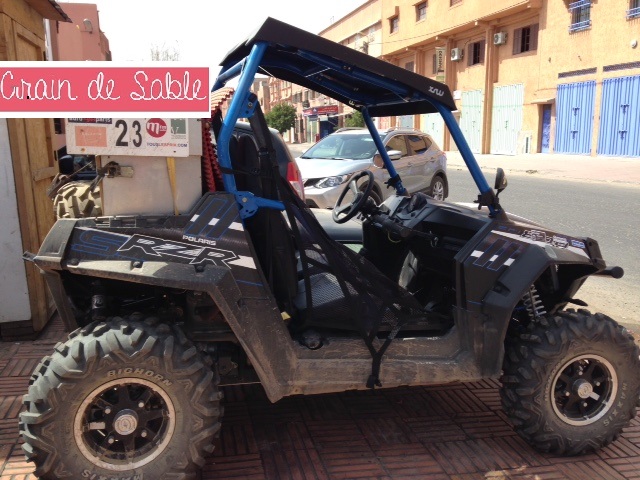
328, 182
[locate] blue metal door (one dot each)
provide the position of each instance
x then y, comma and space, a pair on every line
620, 117
574, 117
546, 129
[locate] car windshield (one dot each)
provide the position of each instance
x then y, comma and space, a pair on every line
343, 147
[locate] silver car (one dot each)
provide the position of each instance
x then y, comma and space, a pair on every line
331, 162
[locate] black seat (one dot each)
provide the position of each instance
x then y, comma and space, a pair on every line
269, 232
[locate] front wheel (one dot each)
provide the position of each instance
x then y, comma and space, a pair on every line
571, 382
127, 398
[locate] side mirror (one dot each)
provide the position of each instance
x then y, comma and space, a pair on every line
501, 180
394, 154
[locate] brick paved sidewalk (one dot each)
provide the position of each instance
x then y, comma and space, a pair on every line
455, 432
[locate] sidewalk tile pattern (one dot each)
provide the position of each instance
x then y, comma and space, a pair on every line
450, 432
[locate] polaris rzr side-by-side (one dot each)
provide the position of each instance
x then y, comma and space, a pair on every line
248, 287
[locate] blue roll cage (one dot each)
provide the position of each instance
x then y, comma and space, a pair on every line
242, 107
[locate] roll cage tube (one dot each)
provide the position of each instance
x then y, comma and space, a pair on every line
241, 106
486, 192
394, 179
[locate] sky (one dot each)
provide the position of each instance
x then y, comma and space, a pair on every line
203, 31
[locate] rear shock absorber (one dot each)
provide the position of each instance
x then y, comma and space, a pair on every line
533, 304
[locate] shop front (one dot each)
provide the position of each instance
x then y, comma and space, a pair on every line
321, 121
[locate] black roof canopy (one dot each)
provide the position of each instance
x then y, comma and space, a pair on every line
340, 72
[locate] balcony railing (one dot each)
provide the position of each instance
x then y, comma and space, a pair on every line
633, 13
576, 27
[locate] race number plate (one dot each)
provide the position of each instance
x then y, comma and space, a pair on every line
162, 137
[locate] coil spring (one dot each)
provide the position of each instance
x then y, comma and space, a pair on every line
533, 304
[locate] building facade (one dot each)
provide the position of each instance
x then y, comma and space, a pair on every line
78, 40
82, 38
527, 75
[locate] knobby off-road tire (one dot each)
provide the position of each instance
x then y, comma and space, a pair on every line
571, 382
129, 398
76, 200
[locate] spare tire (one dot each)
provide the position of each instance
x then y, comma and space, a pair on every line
76, 200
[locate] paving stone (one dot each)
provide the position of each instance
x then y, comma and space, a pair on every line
449, 432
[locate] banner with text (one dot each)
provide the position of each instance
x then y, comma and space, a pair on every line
103, 89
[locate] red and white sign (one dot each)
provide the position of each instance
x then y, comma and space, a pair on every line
325, 110
100, 89
162, 137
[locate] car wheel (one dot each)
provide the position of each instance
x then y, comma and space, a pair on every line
438, 190
571, 382
126, 398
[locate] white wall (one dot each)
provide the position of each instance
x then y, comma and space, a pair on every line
14, 294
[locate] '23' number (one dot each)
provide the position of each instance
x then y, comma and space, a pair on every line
137, 141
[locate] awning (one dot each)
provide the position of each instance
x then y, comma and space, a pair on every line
545, 100
49, 9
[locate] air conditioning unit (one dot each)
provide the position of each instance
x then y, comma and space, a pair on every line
500, 38
457, 54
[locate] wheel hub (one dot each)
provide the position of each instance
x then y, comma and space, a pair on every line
126, 422
583, 388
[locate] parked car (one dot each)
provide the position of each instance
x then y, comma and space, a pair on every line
333, 161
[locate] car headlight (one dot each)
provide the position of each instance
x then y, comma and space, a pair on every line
328, 182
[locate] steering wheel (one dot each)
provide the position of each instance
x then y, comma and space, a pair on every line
351, 209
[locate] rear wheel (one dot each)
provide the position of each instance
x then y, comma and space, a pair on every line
571, 382
123, 398
76, 200
438, 190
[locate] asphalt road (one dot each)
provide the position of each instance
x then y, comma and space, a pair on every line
608, 213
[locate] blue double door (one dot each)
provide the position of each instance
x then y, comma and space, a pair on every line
574, 117
618, 133
620, 117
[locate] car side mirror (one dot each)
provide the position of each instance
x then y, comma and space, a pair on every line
501, 180
393, 155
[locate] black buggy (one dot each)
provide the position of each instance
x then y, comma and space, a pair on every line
248, 287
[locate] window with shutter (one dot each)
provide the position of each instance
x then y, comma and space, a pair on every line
475, 54
517, 40
533, 43
525, 39
394, 24
421, 11
580, 15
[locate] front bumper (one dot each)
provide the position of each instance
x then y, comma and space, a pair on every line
322, 197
